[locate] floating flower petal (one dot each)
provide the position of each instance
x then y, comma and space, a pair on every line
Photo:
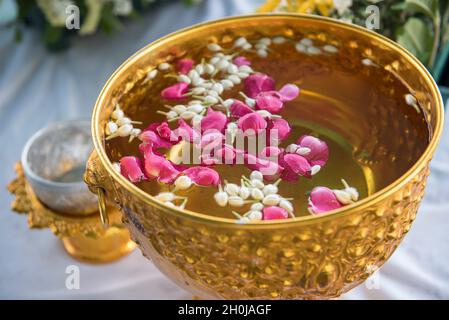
252, 123
176, 91
274, 213
203, 176
184, 65
131, 169
319, 151
214, 120
257, 83
321, 200
241, 61
239, 109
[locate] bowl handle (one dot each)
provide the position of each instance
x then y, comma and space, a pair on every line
95, 179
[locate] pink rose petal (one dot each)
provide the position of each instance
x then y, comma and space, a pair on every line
215, 120
241, 61
176, 91
288, 92
184, 132
131, 169
269, 169
203, 176
257, 83
252, 123
270, 151
294, 166
278, 128
159, 135
269, 101
274, 213
319, 151
239, 109
184, 65
157, 167
322, 199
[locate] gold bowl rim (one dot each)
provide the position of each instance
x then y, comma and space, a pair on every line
362, 204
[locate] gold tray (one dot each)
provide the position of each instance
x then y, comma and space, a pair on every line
84, 237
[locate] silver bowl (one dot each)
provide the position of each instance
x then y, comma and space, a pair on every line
54, 160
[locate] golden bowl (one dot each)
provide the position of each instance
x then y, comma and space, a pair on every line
302, 258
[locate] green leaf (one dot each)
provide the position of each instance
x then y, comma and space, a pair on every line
428, 7
417, 38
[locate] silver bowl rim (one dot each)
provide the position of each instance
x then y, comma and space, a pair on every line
34, 177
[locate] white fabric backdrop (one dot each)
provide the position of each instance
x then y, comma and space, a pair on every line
37, 88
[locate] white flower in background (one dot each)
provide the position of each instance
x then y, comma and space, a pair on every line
93, 16
8, 11
342, 5
122, 7
55, 10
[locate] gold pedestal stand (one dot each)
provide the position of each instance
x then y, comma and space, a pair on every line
83, 236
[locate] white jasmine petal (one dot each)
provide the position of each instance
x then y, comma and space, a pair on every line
184, 78
291, 148
235, 79
124, 130
307, 42
183, 183
257, 206
247, 46
111, 127
303, 151
271, 200
246, 69
270, 189
232, 69
255, 216
262, 53
300, 47
342, 196
244, 193
179, 109
256, 183
164, 66
315, 169
240, 42
165, 196
256, 175
330, 48
171, 115
200, 69
217, 87
187, 115
286, 205
209, 68
278, 40
117, 114
152, 74
236, 201
197, 108
116, 166
214, 47
265, 41
196, 120
211, 99
243, 75
198, 90
228, 102
221, 198
257, 194
313, 50
232, 189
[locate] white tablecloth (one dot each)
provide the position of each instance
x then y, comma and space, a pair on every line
37, 88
